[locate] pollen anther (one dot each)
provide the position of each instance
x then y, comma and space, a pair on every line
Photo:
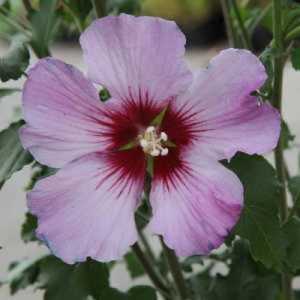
153, 143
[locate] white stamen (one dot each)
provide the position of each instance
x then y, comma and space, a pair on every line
163, 136
154, 152
153, 143
150, 129
164, 151
144, 143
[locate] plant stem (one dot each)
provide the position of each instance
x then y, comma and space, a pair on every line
228, 22
99, 7
146, 245
244, 33
148, 267
176, 272
277, 101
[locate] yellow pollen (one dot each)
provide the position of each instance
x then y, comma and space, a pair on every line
153, 143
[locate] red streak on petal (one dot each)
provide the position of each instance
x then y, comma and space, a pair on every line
132, 119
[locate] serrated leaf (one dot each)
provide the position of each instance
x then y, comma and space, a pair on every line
292, 234
8, 91
28, 228
259, 222
15, 62
133, 265
295, 58
12, 155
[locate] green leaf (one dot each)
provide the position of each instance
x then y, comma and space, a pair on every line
294, 187
41, 172
60, 280
28, 228
295, 58
142, 292
80, 8
259, 222
135, 293
22, 274
8, 91
12, 155
287, 136
44, 23
134, 267
15, 62
246, 280
292, 233
123, 6
76, 282
113, 294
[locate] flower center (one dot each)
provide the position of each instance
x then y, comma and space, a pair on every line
153, 142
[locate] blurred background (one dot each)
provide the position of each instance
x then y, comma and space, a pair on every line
202, 22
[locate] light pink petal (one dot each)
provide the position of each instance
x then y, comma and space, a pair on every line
223, 117
197, 206
63, 114
136, 57
87, 210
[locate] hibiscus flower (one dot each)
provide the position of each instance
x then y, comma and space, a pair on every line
182, 122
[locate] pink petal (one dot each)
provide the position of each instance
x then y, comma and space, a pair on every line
223, 117
87, 210
63, 114
136, 57
197, 206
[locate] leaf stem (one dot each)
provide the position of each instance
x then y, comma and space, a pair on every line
148, 267
244, 33
176, 272
228, 22
277, 101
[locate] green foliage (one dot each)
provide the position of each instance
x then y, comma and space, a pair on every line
133, 265
7, 91
79, 9
70, 282
79, 281
259, 222
22, 274
287, 136
246, 280
295, 58
44, 22
292, 234
135, 293
28, 228
60, 280
123, 6
12, 155
294, 187
15, 62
